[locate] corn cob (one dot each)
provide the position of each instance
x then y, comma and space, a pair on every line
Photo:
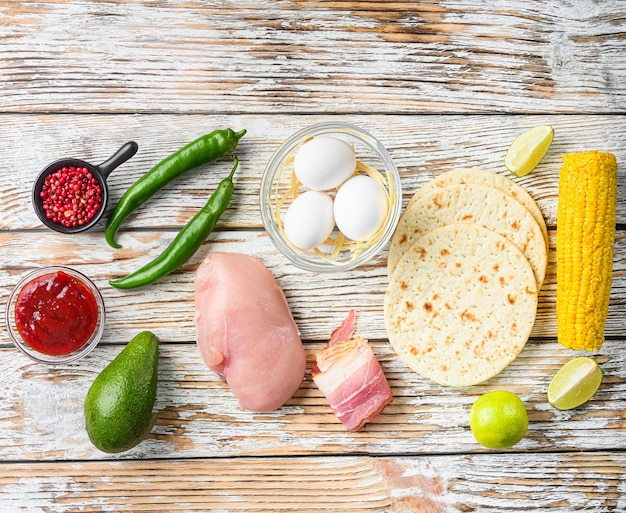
584, 247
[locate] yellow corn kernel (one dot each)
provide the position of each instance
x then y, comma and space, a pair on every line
584, 247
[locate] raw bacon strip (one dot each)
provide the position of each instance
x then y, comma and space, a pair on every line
345, 331
352, 380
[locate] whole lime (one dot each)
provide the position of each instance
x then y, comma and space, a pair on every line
498, 419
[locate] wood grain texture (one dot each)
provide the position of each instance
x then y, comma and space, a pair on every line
435, 484
41, 414
420, 146
318, 302
443, 84
298, 56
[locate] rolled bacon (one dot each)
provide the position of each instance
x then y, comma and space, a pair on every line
351, 378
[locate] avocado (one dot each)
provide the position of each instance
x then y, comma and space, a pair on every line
118, 405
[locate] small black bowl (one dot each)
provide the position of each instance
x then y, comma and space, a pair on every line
100, 172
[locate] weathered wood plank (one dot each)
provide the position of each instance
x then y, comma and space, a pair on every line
421, 147
559, 483
165, 72
223, 56
318, 305
41, 410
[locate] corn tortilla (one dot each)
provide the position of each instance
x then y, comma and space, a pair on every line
460, 304
489, 179
472, 204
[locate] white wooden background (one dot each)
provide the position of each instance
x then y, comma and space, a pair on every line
442, 84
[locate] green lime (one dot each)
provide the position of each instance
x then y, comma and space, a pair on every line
498, 419
574, 383
528, 149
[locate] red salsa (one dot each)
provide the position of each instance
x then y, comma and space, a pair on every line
56, 313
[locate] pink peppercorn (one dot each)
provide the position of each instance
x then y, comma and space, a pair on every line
71, 196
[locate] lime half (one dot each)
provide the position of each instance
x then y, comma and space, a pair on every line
528, 149
574, 383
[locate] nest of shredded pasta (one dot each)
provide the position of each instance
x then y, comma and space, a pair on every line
337, 249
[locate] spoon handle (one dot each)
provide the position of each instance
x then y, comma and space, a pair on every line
119, 157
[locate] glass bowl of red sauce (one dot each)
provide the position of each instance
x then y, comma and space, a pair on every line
55, 315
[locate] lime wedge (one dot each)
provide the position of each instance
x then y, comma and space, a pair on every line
528, 149
574, 383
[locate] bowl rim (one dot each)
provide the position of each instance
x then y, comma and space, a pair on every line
35, 355
274, 165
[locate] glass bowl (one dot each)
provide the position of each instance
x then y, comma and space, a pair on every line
42, 357
277, 186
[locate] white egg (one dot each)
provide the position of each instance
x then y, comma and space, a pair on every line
309, 220
324, 162
360, 207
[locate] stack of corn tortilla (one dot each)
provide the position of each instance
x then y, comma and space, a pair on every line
465, 264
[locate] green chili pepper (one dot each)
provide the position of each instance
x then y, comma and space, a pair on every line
201, 151
188, 240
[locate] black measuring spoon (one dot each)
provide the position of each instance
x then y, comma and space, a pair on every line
100, 173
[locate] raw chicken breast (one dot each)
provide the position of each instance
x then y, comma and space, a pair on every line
245, 331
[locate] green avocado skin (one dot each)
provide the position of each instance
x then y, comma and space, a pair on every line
118, 405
